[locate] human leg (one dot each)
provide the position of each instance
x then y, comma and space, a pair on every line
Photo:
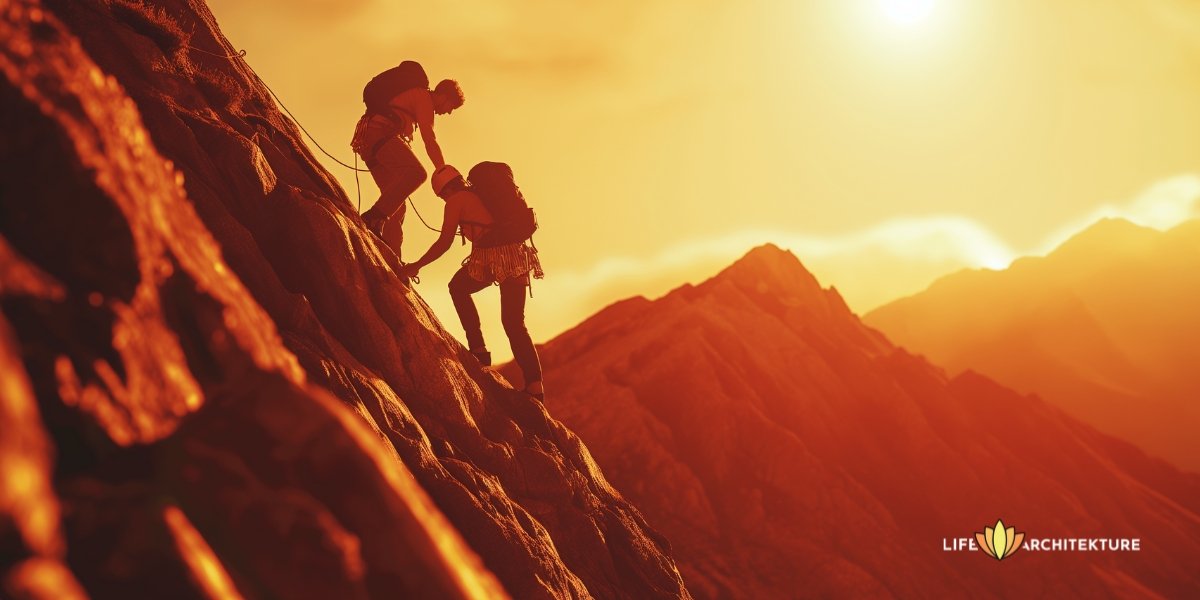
398, 174
512, 315
462, 286
393, 229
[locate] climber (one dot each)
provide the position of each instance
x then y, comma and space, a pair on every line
509, 265
399, 101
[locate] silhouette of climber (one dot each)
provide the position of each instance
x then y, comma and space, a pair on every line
510, 266
399, 102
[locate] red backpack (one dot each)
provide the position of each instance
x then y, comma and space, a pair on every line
512, 219
378, 93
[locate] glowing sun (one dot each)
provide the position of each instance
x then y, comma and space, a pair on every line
906, 12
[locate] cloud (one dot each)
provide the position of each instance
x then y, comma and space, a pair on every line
869, 266
931, 239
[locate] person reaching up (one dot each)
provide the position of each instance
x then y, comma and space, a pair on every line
494, 259
399, 103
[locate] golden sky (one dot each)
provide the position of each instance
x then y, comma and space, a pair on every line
886, 142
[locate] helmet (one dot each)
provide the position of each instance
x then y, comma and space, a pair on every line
445, 174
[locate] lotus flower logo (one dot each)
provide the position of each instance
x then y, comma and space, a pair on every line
999, 542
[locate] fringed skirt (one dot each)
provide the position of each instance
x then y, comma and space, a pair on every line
498, 264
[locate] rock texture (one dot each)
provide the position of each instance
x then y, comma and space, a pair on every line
1105, 327
787, 450
214, 383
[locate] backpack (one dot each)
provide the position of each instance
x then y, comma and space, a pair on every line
379, 92
512, 219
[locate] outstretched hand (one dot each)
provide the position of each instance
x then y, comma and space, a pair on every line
410, 271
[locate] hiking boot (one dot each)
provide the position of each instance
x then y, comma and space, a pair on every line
485, 357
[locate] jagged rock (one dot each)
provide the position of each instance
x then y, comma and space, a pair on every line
787, 451
183, 283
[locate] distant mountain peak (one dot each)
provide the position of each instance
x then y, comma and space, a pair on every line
756, 420
1103, 327
1116, 226
769, 267
777, 283
1107, 233
768, 253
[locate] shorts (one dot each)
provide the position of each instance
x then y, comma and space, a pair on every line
395, 164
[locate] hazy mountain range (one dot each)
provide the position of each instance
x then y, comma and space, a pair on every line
788, 450
1106, 326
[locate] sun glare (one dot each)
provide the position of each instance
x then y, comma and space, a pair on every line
906, 12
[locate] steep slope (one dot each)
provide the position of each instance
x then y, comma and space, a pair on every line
183, 288
1104, 327
787, 450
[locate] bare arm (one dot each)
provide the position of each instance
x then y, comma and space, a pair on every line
450, 220
424, 116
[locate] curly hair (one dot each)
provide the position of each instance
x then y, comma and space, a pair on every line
451, 89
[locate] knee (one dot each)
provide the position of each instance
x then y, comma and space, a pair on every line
514, 325
404, 183
416, 176
457, 290
393, 196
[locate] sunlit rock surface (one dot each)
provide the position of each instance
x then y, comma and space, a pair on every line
214, 383
789, 451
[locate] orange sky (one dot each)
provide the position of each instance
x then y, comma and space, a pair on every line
659, 139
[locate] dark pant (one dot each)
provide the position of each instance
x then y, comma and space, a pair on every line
512, 315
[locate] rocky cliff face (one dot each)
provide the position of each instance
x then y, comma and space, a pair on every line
787, 450
214, 384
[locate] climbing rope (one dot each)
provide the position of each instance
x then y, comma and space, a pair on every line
420, 218
357, 186
242, 55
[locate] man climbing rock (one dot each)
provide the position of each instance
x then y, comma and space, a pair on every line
399, 102
501, 254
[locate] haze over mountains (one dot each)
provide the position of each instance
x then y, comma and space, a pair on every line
1105, 326
788, 450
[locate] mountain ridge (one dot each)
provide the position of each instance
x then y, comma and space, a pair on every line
1124, 288
797, 436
